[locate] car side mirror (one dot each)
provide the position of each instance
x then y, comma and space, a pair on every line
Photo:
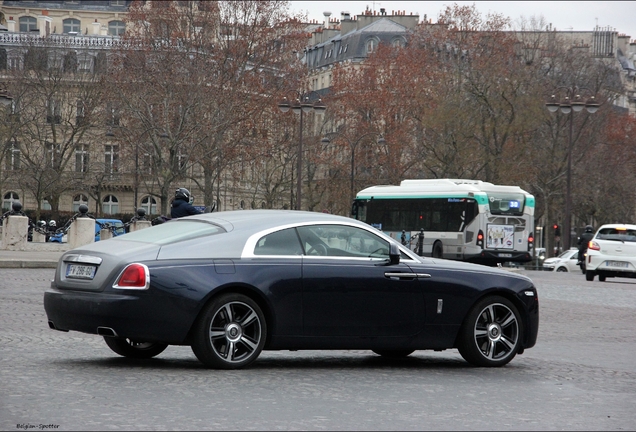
394, 254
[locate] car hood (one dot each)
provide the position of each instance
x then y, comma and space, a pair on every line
551, 260
461, 266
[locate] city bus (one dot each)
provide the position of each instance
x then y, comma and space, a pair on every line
466, 220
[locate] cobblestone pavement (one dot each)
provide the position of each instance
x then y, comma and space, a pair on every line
580, 376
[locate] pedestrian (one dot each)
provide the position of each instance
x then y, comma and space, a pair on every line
584, 240
182, 204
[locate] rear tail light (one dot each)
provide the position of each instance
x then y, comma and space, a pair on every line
134, 276
480, 238
593, 245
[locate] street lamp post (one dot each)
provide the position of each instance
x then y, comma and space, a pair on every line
568, 107
353, 145
301, 106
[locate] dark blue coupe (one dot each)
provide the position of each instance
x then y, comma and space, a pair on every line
232, 284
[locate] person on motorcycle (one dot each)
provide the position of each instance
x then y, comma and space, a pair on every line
584, 240
182, 204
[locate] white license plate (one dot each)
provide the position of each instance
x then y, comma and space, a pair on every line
505, 255
78, 271
616, 264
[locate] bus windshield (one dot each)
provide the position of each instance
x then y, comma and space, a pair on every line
436, 214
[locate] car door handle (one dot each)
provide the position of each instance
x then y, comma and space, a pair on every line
407, 275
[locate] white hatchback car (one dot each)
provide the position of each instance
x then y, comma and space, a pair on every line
566, 262
612, 252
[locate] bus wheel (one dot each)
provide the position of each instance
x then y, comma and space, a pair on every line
437, 250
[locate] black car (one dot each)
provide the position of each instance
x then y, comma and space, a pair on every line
232, 284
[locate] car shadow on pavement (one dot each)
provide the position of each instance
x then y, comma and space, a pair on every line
282, 360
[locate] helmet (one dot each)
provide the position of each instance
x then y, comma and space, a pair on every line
184, 194
589, 228
52, 223
41, 223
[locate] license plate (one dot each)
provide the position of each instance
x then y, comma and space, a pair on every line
78, 271
616, 264
505, 255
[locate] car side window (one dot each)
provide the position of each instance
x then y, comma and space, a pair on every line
283, 242
342, 241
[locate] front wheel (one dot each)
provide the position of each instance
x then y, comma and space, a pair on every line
133, 349
230, 333
562, 269
491, 333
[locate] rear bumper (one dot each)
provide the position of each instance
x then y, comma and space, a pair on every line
130, 316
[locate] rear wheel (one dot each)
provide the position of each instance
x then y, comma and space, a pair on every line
132, 349
601, 277
438, 250
491, 333
589, 275
230, 333
394, 353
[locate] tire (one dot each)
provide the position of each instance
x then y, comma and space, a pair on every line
438, 250
491, 333
601, 277
562, 269
133, 349
589, 275
230, 332
394, 353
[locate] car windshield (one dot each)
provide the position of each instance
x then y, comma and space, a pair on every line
617, 234
172, 232
565, 254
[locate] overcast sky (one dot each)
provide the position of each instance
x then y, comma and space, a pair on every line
564, 15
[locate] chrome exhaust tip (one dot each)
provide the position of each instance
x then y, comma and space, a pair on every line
52, 327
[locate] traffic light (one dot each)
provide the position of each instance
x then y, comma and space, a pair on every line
557, 230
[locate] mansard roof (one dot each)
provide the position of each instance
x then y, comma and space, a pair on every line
353, 45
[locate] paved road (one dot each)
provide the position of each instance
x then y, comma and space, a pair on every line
580, 376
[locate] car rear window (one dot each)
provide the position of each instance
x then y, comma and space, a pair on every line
626, 235
172, 232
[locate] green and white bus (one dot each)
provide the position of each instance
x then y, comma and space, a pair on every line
467, 220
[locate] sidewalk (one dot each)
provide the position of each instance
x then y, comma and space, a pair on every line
37, 255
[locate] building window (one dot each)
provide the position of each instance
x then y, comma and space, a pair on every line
46, 205
54, 110
78, 200
70, 62
28, 24
101, 64
147, 162
13, 156
36, 59
81, 158
111, 158
85, 63
371, 45
9, 199
112, 113
80, 112
149, 204
72, 25
118, 2
116, 28
51, 151
110, 205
